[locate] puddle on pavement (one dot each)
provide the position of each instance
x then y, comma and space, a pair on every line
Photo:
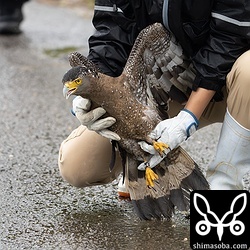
57, 216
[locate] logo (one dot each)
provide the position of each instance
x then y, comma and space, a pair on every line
219, 219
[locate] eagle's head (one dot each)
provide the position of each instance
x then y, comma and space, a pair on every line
78, 81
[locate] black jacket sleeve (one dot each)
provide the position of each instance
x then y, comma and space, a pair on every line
229, 37
113, 39
117, 25
214, 33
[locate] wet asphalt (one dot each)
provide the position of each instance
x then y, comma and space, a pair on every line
38, 209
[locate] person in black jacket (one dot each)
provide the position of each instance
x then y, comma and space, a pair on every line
214, 35
11, 16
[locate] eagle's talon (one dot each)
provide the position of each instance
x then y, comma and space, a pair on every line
160, 147
150, 176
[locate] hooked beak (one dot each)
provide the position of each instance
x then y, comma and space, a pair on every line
69, 89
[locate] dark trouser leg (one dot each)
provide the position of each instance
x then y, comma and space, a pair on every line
10, 16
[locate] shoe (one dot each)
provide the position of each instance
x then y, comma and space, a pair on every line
10, 20
121, 190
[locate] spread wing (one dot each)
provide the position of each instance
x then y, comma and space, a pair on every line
157, 69
157, 72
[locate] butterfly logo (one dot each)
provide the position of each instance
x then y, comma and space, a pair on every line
236, 227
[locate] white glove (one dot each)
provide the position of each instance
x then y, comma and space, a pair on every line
171, 132
90, 118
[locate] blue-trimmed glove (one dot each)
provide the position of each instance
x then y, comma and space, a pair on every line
91, 118
171, 132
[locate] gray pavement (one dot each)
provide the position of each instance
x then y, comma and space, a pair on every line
38, 209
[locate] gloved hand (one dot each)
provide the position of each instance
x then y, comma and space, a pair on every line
171, 132
90, 118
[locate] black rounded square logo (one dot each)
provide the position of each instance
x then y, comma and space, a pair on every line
219, 219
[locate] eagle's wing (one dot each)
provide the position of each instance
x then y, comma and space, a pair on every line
157, 69
158, 72
177, 174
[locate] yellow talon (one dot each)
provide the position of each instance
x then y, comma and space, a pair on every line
150, 176
160, 147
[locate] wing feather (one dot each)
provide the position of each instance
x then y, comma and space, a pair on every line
178, 176
157, 62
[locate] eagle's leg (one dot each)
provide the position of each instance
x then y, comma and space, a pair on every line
160, 147
150, 176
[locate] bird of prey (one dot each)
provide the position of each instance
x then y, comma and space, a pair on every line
138, 99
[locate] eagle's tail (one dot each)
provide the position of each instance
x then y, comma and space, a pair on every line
178, 176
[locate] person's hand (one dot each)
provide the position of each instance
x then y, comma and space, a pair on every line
90, 118
171, 132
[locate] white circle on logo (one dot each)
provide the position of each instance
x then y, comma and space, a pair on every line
202, 227
237, 227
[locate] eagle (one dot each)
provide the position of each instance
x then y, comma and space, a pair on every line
139, 99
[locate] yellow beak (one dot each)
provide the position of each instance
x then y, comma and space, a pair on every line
69, 88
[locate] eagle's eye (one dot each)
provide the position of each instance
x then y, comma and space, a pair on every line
78, 81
